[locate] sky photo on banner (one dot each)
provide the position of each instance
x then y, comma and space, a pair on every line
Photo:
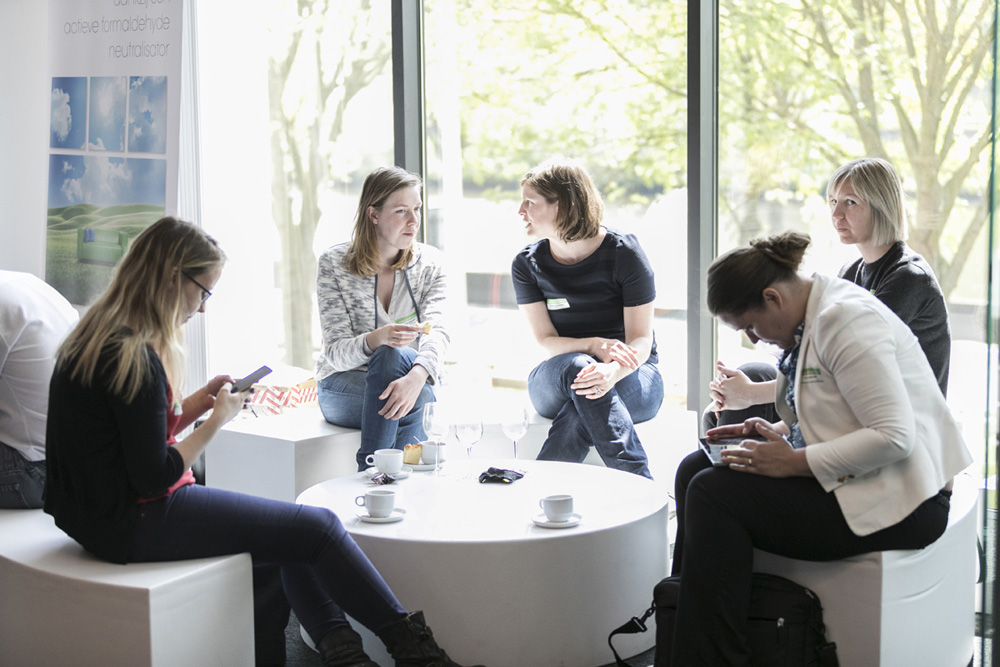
113, 135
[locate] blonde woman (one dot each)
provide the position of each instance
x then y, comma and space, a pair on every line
381, 300
867, 210
120, 483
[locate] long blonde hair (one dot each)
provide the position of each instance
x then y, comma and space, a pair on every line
141, 307
362, 258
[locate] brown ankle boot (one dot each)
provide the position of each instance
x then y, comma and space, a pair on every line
411, 644
341, 647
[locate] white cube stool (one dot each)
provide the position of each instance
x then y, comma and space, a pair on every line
899, 608
61, 606
281, 456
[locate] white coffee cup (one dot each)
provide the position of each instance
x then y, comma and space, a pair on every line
389, 461
378, 502
427, 453
558, 507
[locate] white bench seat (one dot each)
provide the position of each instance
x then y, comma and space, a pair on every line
899, 608
59, 605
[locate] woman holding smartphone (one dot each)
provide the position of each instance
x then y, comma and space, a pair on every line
861, 460
381, 299
119, 482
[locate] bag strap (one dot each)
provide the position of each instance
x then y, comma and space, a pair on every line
635, 625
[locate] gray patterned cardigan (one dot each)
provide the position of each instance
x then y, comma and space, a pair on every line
347, 310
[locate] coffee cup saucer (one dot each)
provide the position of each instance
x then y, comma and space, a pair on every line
397, 515
424, 467
543, 521
403, 473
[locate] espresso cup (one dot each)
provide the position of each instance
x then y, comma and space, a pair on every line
558, 507
378, 502
429, 449
389, 461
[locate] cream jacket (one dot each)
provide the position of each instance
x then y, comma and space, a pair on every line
878, 432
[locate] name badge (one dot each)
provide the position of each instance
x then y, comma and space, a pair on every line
556, 304
810, 375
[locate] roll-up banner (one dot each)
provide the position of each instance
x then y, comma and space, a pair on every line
115, 70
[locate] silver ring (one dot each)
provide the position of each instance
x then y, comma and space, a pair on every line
597, 391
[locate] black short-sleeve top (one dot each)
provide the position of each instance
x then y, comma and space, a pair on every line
587, 298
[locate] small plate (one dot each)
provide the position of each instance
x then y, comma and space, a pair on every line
424, 467
542, 521
402, 474
397, 515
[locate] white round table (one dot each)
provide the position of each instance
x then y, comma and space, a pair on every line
496, 588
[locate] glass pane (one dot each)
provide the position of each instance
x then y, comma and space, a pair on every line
288, 133
511, 84
804, 87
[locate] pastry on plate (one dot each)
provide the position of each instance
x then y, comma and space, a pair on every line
411, 454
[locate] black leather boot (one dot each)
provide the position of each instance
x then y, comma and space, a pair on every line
341, 647
411, 644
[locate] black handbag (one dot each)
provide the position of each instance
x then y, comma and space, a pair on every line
785, 627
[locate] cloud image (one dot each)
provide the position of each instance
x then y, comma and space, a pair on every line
106, 181
68, 102
107, 113
147, 114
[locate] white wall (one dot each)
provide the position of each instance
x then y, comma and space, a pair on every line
24, 121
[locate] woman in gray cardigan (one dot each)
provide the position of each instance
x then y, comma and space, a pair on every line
381, 300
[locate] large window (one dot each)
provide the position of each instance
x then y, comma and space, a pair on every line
805, 86
289, 131
511, 84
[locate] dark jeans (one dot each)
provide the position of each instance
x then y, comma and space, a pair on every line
21, 480
724, 514
758, 372
324, 572
605, 423
351, 399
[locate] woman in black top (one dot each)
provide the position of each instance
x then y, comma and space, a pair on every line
120, 484
587, 292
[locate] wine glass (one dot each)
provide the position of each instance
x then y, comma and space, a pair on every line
437, 427
515, 425
468, 432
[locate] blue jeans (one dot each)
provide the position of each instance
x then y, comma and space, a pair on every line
21, 480
324, 572
605, 423
351, 399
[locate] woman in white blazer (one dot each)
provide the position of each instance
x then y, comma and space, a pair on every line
862, 459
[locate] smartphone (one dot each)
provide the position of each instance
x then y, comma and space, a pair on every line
714, 447
245, 383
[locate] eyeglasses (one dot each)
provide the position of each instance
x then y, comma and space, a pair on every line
205, 293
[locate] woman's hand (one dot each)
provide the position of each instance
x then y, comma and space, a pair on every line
401, 394
596, 380
731, 389
607, 350
772, 457
227, 404
203, 400
393, 335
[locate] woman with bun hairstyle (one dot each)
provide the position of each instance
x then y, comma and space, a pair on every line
381, 301
587, 292
120, 484
862, 459
868, 210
